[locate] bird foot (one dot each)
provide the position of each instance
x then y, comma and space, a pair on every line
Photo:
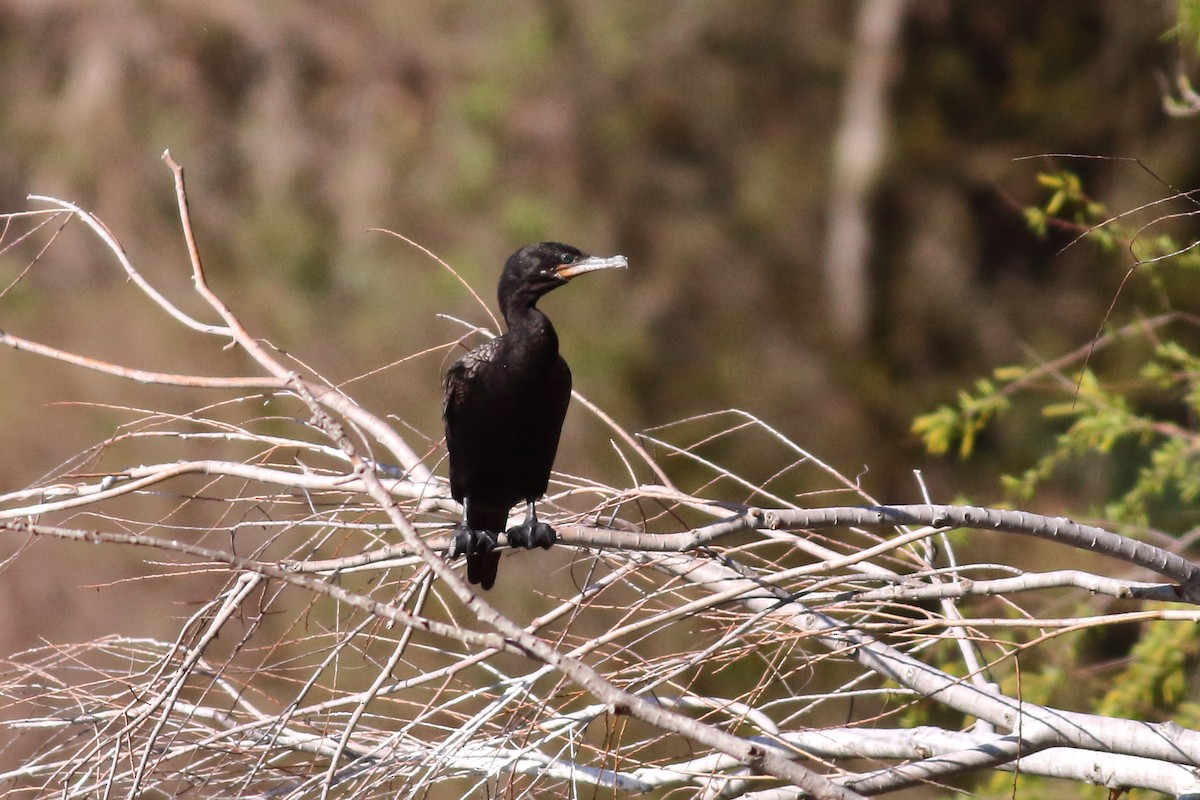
531, 534
470, 542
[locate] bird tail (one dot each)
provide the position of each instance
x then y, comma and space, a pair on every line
482, 567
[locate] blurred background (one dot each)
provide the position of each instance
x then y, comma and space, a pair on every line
820, 201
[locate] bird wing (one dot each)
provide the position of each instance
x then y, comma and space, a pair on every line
457, 384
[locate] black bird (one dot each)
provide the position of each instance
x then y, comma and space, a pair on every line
504, 408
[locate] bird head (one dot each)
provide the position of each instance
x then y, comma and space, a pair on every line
537, 268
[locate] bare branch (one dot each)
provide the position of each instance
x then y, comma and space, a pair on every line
700, 634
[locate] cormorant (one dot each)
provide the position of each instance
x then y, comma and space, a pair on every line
504, 406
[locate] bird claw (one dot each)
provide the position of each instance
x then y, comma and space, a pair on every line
531, 534
470, 542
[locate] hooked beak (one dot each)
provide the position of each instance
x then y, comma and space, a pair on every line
590, 264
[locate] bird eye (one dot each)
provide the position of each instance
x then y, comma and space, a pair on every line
567, 259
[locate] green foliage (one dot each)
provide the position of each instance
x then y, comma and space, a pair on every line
1098, 421
942, 428
1126, 407
1123, 416
1187, 27
1156, 680
1067, 202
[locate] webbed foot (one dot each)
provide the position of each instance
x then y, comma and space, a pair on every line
470, 542
480, 549
531, 534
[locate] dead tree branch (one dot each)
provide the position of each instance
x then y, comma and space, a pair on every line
711, 639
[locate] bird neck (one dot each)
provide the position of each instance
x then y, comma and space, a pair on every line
526, 321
